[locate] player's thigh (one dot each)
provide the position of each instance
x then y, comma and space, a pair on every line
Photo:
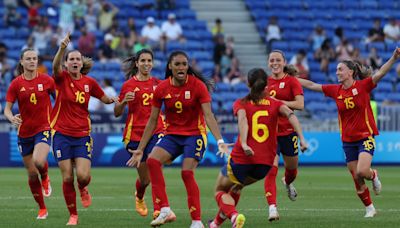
67, 170
29, 165
223, 183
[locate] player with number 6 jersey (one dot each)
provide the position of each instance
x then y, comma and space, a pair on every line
356, 121
32, 90
255, 149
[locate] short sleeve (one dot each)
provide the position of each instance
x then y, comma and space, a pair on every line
157, 97
124, 90
96, 90
204, 95
367, 84
11, 95
330, 90
237, 105
296, 87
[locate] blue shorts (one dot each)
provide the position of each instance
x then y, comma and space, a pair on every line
133, 145
238, 173
68, 147
26, 145
190, 146
288, 145
353, 149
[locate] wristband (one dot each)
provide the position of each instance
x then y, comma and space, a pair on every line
220, 141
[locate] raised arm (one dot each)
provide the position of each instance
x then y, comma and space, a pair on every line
213, 126
386, 67
310, 85
284, 110
57, 68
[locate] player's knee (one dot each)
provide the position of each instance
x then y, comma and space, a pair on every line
363, 173
68, 179
32, 175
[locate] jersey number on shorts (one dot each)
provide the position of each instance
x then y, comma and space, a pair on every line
349, 103
259, 131
80, 97
33, 99
295, 141
369, 144
178, 106
147, 98
199, 143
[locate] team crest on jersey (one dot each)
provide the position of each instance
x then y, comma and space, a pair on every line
40, 87
354, 91
187, 95
22, 89
281, 85
86, 87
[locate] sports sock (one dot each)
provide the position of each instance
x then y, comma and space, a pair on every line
70, 197
270, 185
157, 182
140, 189
290, 175
36, 189
365, 197
43, 170
227, 209
193, 194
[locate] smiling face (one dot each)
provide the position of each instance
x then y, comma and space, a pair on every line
29, 61
144, 64
74, 62
276, 63
179, 66
343, 73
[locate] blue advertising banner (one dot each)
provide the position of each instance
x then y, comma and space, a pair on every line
324, 148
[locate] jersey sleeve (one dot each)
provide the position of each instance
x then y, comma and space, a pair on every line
330, 90
11, 95
52, 85
237, 105
296, 87
157, 97
96, 90
204, 95
368, 84
123, 92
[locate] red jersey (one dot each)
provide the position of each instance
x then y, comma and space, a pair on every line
285, 89
70, 114
262, 119
356, 120
183, 113
140, 108
33, 98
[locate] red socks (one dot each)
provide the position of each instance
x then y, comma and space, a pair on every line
157, 182
70, 197
140, 189
220, 217
270, 185
290, 175
83, 183
43, 170
36, 189
193, 194
227, 209
365, 197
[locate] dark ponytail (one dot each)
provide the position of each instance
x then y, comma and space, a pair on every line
360, 71
129, 64
257, 81
168, 72
20, 68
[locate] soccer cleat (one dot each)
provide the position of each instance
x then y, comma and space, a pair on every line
86, 198
141, 207
211, 224
166, 215
73, 220
239, 221
273, 213
291, 190
46, 186
197, 224
42, 214
376, 183
370, 211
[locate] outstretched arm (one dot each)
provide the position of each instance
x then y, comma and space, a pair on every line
310, 85
386, 67
60, 53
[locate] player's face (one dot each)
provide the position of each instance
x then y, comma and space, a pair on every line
276, 62
179, 67
343, 72
145, 64
29, 61
74, 62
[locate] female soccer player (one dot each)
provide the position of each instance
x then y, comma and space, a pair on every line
72, 144
137, 92
254, 152
187, 109
286, 88
32, 92
356, 121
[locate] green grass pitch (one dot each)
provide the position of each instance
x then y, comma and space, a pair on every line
326, 199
